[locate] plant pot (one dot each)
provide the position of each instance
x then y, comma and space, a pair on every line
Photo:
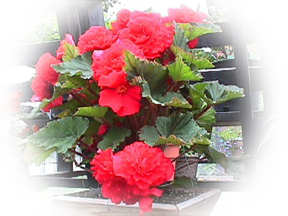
85, 203
187, 167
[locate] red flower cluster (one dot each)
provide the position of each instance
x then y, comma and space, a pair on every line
45, 79
149, 32
146, 35
186, 15
44, 68
133, 174
96, 38
117, 93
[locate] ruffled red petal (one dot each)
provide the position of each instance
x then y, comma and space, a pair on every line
41, 88
102, 166
124, 104
149, 33
96, 38
112, 80
186, 15
45, 70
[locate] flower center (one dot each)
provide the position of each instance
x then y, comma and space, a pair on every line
122, 89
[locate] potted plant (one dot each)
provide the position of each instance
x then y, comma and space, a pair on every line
123, 95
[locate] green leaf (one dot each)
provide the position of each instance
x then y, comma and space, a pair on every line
81, 65
114, 137
93, 128
204, 140
179, 71
214, 93
192, 60
207, 119
146, 92
172, 139
154, 73
68, 108
149, 134
179, 129
73, 82
70, 52
195, 31
60, 134
173, 99
213, 154
183, 126
180, 39
92, 111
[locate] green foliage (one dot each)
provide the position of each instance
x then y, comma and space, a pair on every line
60, 134
173, 99
81, 65
154, 73
177, 129
191, 60
92, 111
149, 134
213, 154
180, 39
179, 71
172, 110
196, 30
213, 93
70, 52
114, 137
207, 119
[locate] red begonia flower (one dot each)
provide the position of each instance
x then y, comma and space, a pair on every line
142, 165
57, 102
113, 79
96, 38
102, 166
45, 70
45, 78
186, 15
146, 166
41, 89
124, 100
122, 20
193, 43
102, 129
118, 190
149, 33
108, 67
61, 51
